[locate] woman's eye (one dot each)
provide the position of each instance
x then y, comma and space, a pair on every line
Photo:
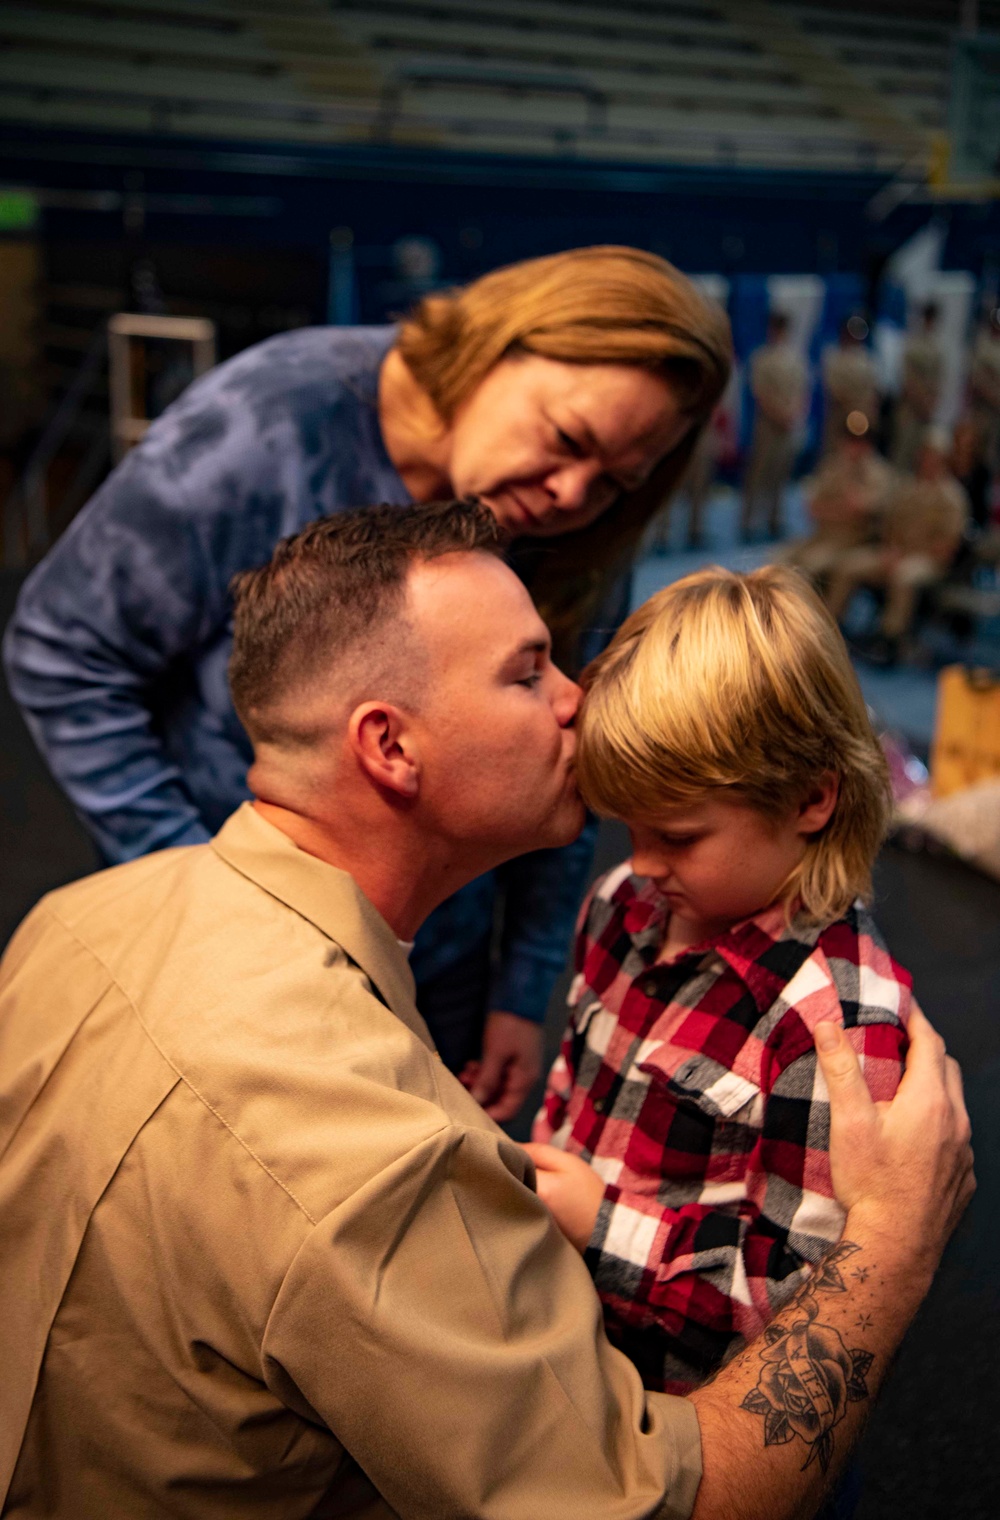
569, 443
532, 680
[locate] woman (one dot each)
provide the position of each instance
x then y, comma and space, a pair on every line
567, 392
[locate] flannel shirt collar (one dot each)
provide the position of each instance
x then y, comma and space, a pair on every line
764, 951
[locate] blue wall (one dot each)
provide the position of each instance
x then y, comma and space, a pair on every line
483, 211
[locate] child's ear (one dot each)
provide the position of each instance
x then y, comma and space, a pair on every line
817, 806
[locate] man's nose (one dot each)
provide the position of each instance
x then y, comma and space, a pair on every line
566, 699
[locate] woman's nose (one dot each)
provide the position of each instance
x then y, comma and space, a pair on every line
572, 486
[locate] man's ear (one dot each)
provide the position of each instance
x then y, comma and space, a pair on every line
381, 740
816, 808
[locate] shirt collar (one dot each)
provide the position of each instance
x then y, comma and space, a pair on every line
764, 951
328, 898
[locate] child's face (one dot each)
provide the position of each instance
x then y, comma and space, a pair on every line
719, 861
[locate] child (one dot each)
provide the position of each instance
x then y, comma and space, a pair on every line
686, 1119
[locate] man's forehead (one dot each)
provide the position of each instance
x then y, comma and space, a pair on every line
473, 596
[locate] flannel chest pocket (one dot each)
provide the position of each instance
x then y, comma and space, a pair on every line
716, 1118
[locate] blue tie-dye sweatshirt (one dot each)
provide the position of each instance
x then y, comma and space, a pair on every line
118, 649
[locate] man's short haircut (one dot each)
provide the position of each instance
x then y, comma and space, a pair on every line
331, 591
739, 686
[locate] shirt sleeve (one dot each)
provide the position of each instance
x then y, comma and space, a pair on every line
448, 1336
138, 580
709, 1271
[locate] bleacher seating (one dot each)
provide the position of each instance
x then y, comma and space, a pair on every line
731, 82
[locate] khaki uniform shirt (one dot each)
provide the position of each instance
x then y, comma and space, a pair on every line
259, 1252
984, 371
851, 379
923, 515
778, 377
847, 495
923, 372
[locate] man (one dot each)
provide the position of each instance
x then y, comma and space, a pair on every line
984, 389
850, 383
778, 381
262, 1254
923, 376
845, 497
925, 519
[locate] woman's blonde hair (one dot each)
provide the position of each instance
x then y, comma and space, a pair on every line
602, 305
739, 685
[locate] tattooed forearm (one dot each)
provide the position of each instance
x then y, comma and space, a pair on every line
809, 1376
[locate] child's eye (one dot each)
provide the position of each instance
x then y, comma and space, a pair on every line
677, 841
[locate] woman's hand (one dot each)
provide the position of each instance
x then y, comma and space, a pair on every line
571, 1189
509, 1067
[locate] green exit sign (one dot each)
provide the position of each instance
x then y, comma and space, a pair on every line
18, 211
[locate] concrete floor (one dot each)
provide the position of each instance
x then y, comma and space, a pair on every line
931, 1448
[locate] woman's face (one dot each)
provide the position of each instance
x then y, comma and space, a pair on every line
548, 446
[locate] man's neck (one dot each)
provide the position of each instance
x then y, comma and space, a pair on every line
415, 438
404, 879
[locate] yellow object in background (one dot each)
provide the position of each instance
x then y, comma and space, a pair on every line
966, 745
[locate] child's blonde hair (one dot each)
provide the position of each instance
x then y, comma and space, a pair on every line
739, 684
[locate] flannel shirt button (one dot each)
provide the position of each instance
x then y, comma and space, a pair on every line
650, 986
599, 1105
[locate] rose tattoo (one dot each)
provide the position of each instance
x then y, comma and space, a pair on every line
809, 1376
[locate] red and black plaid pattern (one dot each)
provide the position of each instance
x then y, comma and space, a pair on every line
693, 1088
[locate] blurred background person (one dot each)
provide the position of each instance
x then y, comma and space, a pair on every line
845, 499
921, 532
779, 381
920, 389
850, 382
969, 467
984, 389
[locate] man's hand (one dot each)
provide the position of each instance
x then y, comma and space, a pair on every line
906, 1165
510, 1065
571, 1189
778, 1420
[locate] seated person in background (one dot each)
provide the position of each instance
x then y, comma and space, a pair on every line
683, 1139
967, 463
984, 388
925, 519
845, 498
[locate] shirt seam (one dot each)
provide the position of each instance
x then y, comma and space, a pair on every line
181, 1076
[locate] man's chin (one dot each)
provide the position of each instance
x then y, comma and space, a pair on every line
564, 825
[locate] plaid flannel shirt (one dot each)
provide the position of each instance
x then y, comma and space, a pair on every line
692, 1087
